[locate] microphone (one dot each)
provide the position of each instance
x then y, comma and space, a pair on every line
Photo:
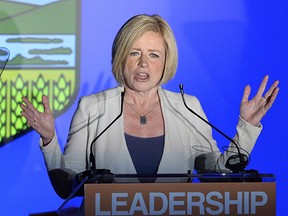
235, 163
93, 174
4, 57
91, 156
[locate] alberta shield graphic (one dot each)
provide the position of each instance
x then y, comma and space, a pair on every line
43, 39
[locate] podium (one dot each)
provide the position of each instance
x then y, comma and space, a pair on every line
176, 194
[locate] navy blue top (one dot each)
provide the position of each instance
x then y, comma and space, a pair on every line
146, 153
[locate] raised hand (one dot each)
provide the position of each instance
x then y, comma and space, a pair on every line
254, 110
43, 123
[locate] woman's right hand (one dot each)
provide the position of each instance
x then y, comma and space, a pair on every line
43, 123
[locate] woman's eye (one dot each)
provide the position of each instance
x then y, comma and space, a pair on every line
153, 55
134, 53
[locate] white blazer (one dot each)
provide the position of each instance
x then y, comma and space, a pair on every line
186, 137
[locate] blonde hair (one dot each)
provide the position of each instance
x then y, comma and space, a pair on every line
131, 31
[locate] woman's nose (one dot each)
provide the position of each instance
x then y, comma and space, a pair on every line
142, 61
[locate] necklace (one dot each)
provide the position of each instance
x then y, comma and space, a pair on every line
142, 117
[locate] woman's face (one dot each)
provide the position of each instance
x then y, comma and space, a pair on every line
145, 63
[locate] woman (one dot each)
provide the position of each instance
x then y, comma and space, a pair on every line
155, 133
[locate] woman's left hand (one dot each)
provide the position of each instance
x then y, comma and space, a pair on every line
254, 110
